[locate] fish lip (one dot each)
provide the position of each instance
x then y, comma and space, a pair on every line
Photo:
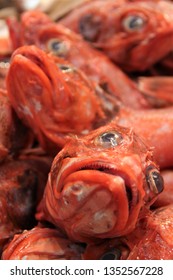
89, 164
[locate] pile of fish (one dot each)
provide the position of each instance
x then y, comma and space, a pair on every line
86, 129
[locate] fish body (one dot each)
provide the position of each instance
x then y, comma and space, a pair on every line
155, 127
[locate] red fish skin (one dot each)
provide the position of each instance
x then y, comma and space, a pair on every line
131, 46
166, 197
85, 172
94, 63
155, 127
157, 90
156, 242
41, 243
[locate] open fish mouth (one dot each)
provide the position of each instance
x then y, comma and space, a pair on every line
94, 198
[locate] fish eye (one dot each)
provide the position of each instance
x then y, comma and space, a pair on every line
154, 180
58, 47
133, 23
66, 68
110, 139
114, 254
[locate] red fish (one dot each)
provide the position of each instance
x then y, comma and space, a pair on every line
99, 184
129, 33
41, 243
55, 99
62, 42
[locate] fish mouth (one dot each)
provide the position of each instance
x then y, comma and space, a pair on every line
33, 59
94, 198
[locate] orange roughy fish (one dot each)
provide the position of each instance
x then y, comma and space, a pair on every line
99, 184
128, 33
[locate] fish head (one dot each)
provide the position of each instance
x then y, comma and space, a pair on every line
99, 183
134, 35
42, 243
49, 96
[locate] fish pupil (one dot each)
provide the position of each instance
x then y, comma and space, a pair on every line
55, 45
65, 68
135, 22
154, 180
111, 138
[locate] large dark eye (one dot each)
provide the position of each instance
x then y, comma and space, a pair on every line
89, 27
133, 23
109, 139
154, 180
114, 254
58, 47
